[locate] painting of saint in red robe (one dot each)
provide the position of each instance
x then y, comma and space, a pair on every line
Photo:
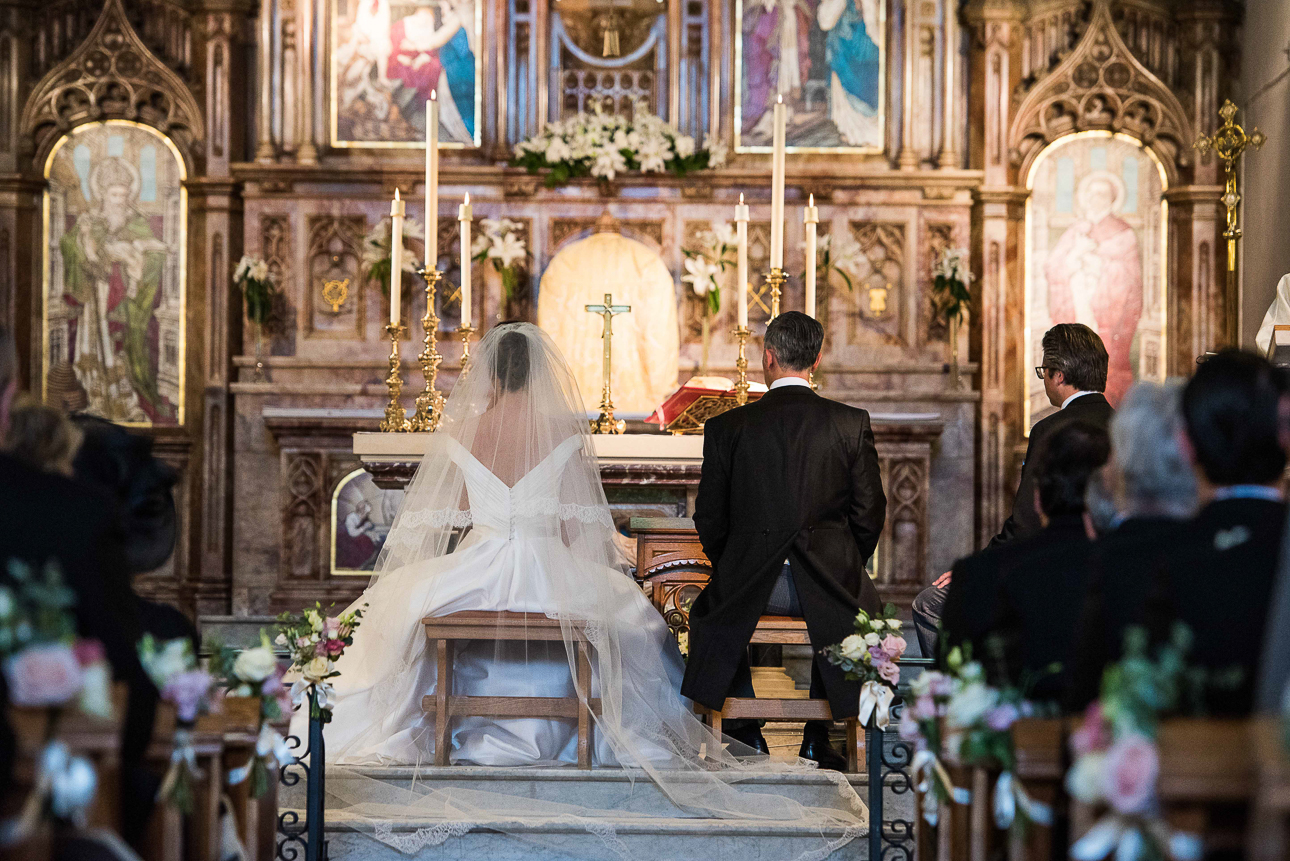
1094, 276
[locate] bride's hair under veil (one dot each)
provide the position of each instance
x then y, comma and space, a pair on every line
515, 433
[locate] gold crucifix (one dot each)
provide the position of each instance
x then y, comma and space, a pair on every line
1229, 143
605, 422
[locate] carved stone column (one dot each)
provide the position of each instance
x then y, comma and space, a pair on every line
20, 187
289, 74
997, 221
306, 49
949, 157
264, 150
908, 158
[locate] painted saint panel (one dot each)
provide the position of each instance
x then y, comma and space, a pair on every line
826, 57
1095, 229
388, 55
361, 515
115, 223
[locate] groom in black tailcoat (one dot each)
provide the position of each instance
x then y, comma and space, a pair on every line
789, 511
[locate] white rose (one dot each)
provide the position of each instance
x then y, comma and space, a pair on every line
872, 639
1087, 777
281, 639
894, 624
853, 648
970, 704
317, 669
255, 665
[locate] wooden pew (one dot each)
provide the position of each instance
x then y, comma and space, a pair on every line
256, 818
1269, 837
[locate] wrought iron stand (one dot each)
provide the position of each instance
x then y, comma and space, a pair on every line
892, 838
292, 838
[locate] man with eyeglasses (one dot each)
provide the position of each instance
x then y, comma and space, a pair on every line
1074, 374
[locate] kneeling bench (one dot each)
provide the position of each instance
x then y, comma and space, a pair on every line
784, 630
503, 626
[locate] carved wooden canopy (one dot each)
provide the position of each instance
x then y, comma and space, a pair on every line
1101, 85
112, 75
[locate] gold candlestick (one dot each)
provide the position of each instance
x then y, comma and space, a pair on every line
396, 420
741, 364
776, 279
464, 332
430, 402
1229, 143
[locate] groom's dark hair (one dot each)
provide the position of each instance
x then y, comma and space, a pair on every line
511, 362
795, 339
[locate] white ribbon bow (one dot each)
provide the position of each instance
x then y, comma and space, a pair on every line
67, 781
926, 767
1009, 795
875, 702
183, 760
300, 688
270, 747
1119, 834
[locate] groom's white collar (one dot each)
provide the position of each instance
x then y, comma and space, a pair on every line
788, 381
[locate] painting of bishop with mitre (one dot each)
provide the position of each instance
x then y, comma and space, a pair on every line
114, 292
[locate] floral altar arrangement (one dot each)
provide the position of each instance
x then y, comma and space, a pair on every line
1117, 760
871, 656
258, 296
256, 673
172, 666
959, 718
715, 253
376, 251
603, 145
314, 642
502, 242
952, 298
839, 254
46, 666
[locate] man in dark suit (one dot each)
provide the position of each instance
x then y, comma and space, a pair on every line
1074, 375
789, 510
1217, 574
1014, 602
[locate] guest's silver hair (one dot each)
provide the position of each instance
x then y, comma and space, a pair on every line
1146, 449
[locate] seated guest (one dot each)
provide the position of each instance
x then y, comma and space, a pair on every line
41, 436
1074, 374
1216, 574
1013, 603
1152, 490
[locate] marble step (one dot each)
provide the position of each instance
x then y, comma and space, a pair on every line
628, 838
625, 791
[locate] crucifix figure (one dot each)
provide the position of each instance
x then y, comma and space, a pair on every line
605, 422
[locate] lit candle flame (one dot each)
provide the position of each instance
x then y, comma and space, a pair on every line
396, 194
434, 95
468, 198
741, 198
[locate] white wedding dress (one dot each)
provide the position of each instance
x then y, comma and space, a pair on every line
507, 512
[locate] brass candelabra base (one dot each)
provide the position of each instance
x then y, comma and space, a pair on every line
396, 420
464, 332
605, 422
430, 402
776, 278
741, 365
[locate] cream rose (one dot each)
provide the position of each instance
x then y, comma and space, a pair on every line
853, 648
317, 669
255, 665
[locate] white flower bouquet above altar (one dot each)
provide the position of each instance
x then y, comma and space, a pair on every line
604, 145
502, 242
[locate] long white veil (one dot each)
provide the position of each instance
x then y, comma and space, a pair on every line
519, 416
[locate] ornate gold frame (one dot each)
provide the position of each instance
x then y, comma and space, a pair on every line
333, 107
884, 81
46, 263
1027, 333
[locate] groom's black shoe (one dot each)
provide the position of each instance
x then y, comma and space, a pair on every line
816, 747
749, 736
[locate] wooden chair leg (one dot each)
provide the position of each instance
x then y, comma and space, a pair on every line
855, 746
714, 721
442, 690
584, 707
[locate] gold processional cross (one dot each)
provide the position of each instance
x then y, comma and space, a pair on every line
605, 422
1229, 143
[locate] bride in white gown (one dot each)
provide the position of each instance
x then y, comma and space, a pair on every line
507, 512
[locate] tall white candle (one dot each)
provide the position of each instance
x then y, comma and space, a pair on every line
741, 266
777, 185
396, 256
811, 219
432, 181
463, 217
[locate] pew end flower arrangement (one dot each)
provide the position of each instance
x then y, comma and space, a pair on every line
1116, 750
50, 671
501, 242
952, 298
172, 666
957, 717
602, 145
255, 673
714, 253
315, 641
872, 656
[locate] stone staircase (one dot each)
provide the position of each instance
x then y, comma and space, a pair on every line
644, 825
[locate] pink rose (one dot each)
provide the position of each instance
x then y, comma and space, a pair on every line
331, 628
1001, 717
89, 652
43, 675
187, 692
889, 673
1132, 767
1093, 734
894, 646
333, 648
